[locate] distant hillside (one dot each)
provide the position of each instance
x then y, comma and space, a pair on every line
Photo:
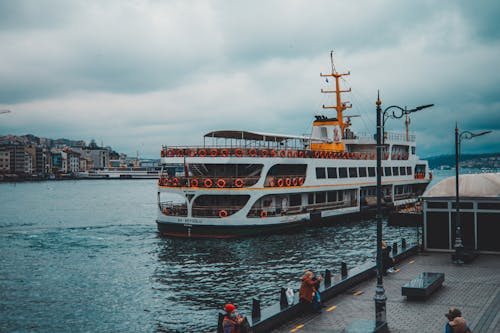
490, 161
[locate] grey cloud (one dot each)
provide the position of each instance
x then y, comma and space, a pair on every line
170, 71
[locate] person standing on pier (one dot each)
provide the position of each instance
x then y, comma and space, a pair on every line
308, 293
387, 261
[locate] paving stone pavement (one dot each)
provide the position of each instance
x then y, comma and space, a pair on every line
470, 287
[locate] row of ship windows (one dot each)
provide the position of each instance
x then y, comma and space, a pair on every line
323, 173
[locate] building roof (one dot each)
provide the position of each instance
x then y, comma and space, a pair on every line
471, 185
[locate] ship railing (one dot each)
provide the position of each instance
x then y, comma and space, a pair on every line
404, 196
270, 153
215, 212
388, 136
208, 181
173, 209
277, 210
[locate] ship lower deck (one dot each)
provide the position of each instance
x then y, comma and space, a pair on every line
236, 230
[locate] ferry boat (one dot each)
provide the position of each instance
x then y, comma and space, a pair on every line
241, 183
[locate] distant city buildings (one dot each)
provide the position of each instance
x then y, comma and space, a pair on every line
31, 157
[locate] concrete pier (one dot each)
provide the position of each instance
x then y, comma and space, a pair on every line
474, 288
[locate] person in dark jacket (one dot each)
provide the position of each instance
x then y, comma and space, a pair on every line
387, 261
308, 293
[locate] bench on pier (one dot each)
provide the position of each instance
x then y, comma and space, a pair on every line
423, 285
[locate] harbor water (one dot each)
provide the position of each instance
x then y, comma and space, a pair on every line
85, 256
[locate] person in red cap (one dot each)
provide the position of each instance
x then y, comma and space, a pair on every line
232, 322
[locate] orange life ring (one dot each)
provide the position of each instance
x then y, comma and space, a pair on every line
208, 182
162, 153
238, 182
194, 182
330, 155
222, 213
263, 213
301, 154
373, 156
252, 152
238, 152
202, 152
316, 154
175, 181
282, 153
192, 152
220, 183
224, 152
300, 181
214, 152
306, 153
264, 153
273, 153
170, 153
180, 152
294, 181
165, 211
280, 182
295, 154
288, 181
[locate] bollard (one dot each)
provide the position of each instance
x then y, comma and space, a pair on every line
283, 301
343, 270
219, 324
328, 278
403, 243
255, 310
394, 248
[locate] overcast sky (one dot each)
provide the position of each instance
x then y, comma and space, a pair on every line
138, 74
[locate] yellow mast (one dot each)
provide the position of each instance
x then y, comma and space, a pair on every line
340, 107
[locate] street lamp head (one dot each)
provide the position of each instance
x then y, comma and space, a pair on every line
418, 108
469, 135
481, 133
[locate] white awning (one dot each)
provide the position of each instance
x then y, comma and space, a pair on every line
471, 185
246, 135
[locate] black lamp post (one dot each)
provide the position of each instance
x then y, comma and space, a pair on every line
380, 298
458, 257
